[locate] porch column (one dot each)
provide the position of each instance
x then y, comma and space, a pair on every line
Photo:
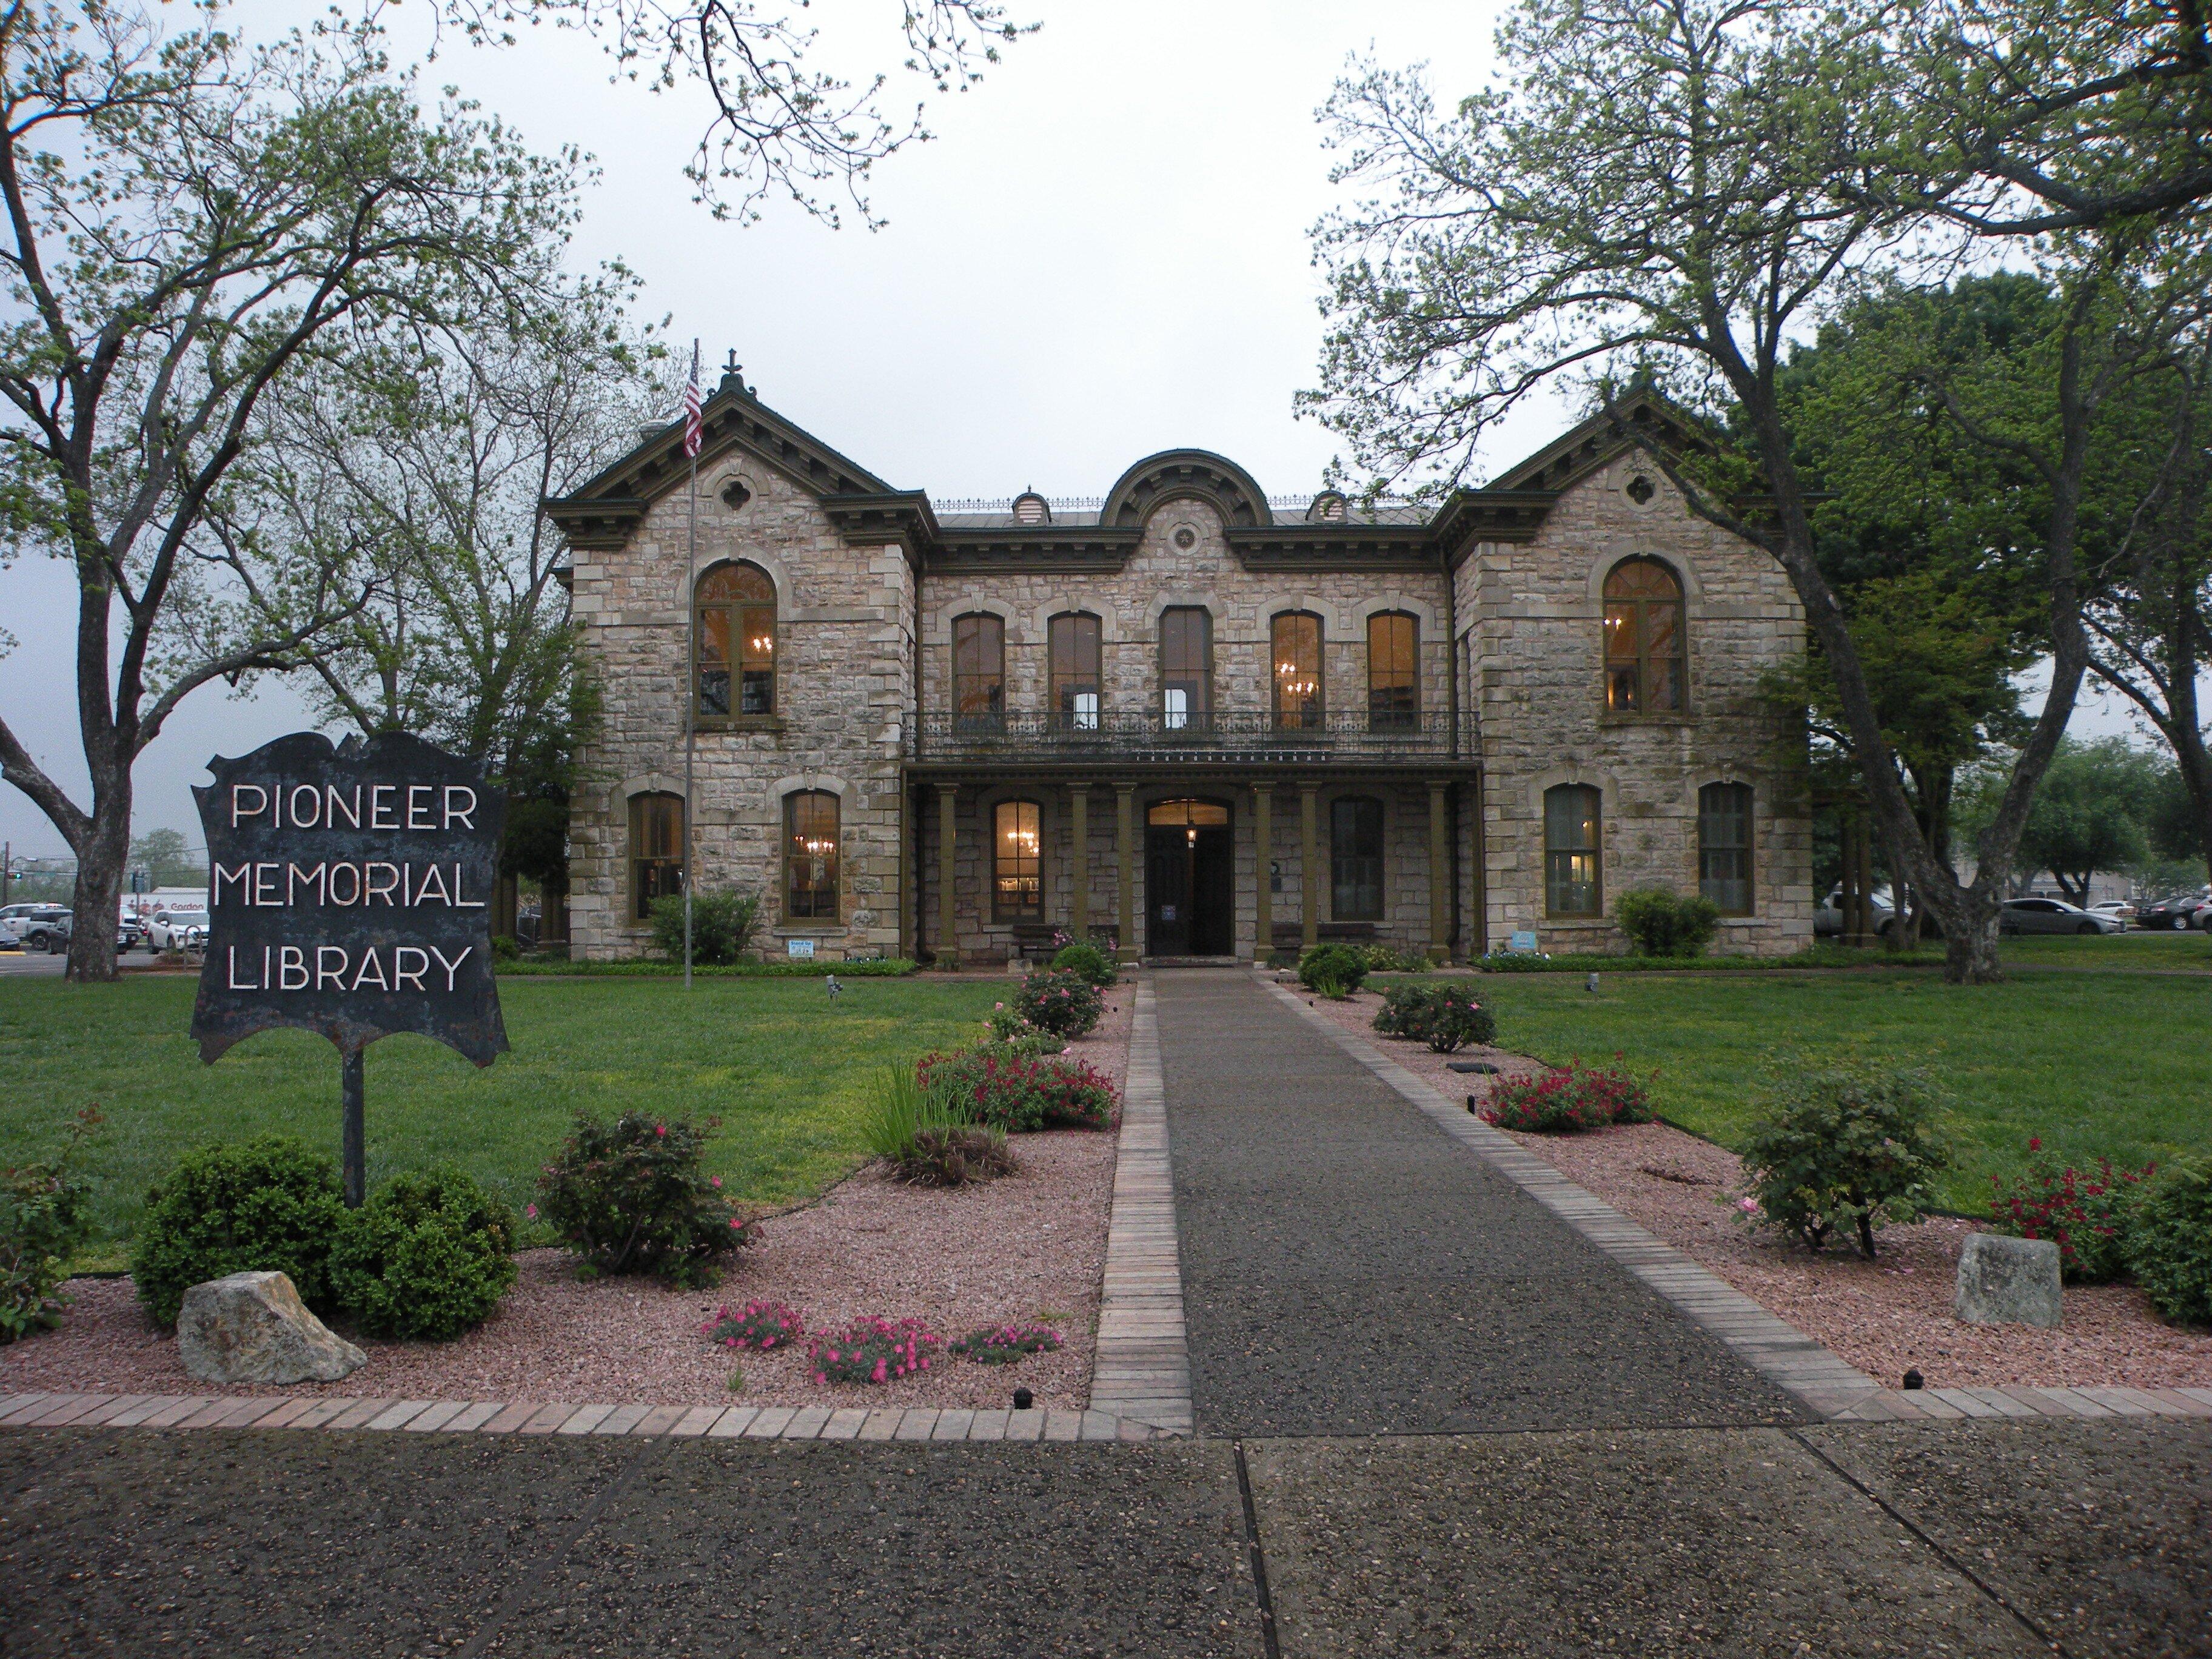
1479, 945
1263, 901
1125, 809
948, 940
1308, 864
1078, 823
1439, 875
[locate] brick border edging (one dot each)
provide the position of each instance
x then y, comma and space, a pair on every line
1817, 1379
1140, 1366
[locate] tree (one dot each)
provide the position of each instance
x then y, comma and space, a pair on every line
191, 219
1684, 190
2090, 813
166, 860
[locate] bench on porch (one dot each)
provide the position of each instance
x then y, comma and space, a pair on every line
1033, 940
1290, 935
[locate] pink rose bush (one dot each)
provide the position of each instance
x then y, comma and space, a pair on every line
1570, 1098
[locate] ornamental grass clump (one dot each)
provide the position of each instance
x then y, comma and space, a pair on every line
2089, 1212
632, 1196
1570, 1099
1003, 1344
760, 1326
1019, 1095
1443, 1016
1066, 1004
1846, 1150
929, 1136
872, 1351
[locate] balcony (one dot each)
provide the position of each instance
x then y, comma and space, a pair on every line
1152, 739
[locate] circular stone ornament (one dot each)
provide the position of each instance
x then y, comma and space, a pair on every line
1185, 537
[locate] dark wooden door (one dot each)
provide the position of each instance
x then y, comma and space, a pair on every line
1213, 893
1167, 890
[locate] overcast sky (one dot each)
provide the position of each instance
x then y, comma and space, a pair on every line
1104, 254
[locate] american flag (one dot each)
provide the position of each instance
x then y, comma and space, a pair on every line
691, 428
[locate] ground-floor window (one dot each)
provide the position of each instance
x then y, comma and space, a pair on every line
1355, 858
1724, 847
1017, 882
656, 850
810, 844
1571, 877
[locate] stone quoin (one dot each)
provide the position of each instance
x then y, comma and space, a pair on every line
1184, 717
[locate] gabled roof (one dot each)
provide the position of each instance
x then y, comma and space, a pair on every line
1574, 455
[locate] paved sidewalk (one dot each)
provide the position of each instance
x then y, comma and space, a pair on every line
1348, 1269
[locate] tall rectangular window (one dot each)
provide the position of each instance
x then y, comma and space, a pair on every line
1355, 858
1075, 688
810, 856
1295, 639
979, 672
1186, 667
1724, 847
656, 850
1644, 664
736, 606
1572, 874
1392, 689
1016, 862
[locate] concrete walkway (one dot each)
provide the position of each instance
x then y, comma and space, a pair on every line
1348, 1269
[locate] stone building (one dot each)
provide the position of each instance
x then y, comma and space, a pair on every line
1185, 717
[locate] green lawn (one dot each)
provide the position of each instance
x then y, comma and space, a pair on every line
785, 1069
2095, 1063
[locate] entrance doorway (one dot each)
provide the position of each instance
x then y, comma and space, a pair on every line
1190, 880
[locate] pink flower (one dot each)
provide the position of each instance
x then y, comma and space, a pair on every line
530, 1210
660, 1129
735, 1224
718, 1183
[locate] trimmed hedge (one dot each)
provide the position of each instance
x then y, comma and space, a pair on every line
265, 1205
428, 1256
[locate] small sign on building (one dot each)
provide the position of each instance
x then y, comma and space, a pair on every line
802, 949
1524, 938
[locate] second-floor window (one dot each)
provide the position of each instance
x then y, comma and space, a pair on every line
737, 641
1644, 670
1393, 691
1186, 667
1295, 639
979, 672
1075, 685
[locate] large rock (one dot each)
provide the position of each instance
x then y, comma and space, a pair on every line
252, 1328
2008, 1281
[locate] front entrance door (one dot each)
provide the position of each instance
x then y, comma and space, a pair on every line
1190, 864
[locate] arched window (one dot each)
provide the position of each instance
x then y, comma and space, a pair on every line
979, 672
811, 847
1297, 643
1572, 884
1644, 671
1393, 698
656, 850
1016, 862
1186, 667
736, 634
1724, 847
1355, 858
1074, 640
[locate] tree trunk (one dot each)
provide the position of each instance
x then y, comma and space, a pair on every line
96, 906
1969, 940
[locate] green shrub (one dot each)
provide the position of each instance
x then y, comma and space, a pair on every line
722, 926
1846, 1151
2170, 1251
1333, 971
1018, 1096
1665, 924
1012, 1033
2089, 1212
927, 1138
426, 1257
1387, 959
46, 1216
631, 1197
1445, 1016
504, 948
1573, 1097
265, 1205
1066, 1005
1087, 959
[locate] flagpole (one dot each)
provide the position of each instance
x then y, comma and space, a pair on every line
691, 651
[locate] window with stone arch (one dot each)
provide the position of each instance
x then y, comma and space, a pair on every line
1724, 847
1185, 668
1393, 698
656, 850
1573, 877
736, 610
813, 842
1016, 861
1296, 639
1646, 670
1073, 641
979, 672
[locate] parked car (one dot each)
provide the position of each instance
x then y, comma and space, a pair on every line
177, 924
2174, 914
2120, 910
34, 926
129, 930
1828, 919
2050, 915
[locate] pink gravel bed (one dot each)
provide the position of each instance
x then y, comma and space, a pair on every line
1030, 1248
1883, 1316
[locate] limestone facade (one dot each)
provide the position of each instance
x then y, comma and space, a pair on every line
1505, 588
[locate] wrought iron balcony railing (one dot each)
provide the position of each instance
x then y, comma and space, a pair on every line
1230, 733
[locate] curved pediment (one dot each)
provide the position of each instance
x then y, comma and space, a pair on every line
1177, 474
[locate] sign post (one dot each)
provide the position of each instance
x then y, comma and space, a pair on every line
349, 893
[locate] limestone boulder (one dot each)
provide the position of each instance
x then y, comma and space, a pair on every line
252, 1328
2008, 1281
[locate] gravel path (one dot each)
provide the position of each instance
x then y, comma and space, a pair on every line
1348, 1270
1030, 1248
1883, 1316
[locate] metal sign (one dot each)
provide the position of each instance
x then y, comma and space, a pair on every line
349, 893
